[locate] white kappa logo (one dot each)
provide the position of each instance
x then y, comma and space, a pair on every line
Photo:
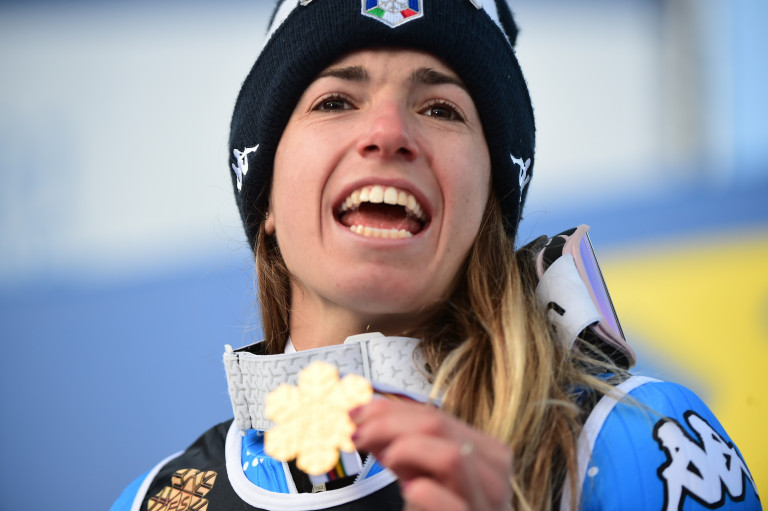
523, 176
241, 169
704, 469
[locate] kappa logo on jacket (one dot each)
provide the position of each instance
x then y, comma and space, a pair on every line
705, 468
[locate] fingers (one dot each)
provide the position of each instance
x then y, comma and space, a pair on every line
382, 421
437, 457
424, 494
478, 483
417, 455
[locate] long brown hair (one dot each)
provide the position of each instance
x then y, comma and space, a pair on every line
501, 371
493, 359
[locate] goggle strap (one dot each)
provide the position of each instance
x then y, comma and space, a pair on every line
564, 289
569, 306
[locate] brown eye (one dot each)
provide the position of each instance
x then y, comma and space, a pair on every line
442, 110
332, 104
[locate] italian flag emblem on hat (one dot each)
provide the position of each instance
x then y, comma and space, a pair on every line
393, 12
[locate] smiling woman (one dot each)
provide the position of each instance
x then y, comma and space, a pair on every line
375, 127
380, 157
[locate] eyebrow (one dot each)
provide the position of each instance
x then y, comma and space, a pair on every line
423, 75
429, 76
351, 73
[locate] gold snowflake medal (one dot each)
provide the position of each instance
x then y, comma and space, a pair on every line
311, 421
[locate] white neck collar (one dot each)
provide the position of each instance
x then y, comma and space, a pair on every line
392, 363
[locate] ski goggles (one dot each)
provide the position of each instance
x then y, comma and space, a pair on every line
572, 288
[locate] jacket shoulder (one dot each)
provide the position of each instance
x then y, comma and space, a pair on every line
656, 445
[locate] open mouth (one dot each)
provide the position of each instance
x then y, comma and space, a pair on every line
382, 212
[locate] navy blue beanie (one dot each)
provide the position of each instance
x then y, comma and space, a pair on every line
306, 36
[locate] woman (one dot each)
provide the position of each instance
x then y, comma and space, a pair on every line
380, 156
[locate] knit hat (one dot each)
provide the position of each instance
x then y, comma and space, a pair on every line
476, 39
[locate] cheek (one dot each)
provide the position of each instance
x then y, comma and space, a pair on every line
295, 201
289, 187
472, 183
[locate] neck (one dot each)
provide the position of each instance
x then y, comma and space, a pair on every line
320, 330
316, 323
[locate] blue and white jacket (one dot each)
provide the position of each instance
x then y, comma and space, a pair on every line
653, 445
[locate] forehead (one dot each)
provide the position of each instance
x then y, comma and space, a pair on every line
391, 63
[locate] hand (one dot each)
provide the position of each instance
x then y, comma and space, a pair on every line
442, 463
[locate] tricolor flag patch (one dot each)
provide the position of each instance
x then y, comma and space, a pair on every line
393, 12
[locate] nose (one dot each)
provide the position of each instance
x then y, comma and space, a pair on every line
388, 134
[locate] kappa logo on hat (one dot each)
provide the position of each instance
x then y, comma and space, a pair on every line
523, 176
393, 12
241, 169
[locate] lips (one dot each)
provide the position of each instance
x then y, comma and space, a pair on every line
378, 211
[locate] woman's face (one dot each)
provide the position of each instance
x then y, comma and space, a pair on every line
380, 182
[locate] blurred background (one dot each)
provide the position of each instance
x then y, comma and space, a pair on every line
124, 269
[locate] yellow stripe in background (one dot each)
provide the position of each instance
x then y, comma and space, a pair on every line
701, 305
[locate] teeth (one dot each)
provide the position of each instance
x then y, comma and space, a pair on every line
375, 232
378, 194
410, 202
390, 195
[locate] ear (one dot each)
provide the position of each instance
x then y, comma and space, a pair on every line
269, 222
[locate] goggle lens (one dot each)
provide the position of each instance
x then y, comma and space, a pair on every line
597, 283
